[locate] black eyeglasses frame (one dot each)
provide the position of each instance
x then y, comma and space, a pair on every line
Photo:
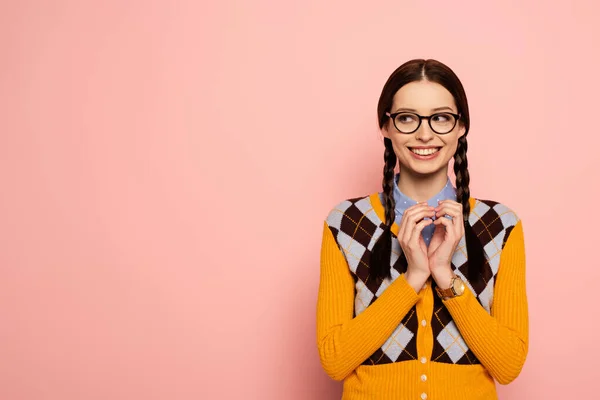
421, 118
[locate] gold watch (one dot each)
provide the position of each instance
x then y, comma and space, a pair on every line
457, 287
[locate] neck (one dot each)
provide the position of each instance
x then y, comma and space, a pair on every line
421, 187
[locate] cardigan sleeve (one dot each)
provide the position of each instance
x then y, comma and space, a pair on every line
499, 339
344, 341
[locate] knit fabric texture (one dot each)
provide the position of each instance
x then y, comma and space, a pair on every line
387, 341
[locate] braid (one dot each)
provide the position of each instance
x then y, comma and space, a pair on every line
388, 183
475, 253
382, 250
462, 176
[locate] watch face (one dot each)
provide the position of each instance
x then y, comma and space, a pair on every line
459, 286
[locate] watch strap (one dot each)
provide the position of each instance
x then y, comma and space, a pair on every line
446, 292
449, 292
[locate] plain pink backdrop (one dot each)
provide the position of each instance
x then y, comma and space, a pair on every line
165, 168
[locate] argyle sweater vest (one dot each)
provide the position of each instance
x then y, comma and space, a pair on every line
357, 227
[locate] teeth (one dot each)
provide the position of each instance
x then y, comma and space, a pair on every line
424, 152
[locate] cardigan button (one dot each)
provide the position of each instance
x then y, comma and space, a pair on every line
423, 396
423, 377
423, 360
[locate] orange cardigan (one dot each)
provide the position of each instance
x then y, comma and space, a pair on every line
352, 336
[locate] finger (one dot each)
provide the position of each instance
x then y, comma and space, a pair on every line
407, 214
450, 205
417, 207
453, 211
455, 229
449, 225
416, 232
449, 202
449, 209
412, 217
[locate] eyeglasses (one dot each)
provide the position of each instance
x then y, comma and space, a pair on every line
441, 123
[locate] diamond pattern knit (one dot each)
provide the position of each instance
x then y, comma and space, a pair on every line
408, 330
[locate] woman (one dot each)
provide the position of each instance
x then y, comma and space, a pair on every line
422, 287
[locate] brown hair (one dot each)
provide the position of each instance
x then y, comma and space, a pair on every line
434, 71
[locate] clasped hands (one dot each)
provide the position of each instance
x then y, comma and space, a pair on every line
433, 260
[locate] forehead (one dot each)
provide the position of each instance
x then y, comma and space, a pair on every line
423, 96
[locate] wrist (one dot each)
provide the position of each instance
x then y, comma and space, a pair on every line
457, 288
416, 280
443, 277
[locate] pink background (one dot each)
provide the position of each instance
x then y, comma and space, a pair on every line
166, 167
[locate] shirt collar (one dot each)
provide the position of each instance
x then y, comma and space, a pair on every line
403, 201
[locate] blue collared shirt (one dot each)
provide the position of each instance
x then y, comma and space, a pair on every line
403, 202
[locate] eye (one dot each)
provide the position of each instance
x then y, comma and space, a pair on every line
405, 118
442, 117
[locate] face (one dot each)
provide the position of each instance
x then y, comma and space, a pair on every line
423, 98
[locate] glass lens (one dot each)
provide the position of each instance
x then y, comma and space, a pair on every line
406, 122
442, 122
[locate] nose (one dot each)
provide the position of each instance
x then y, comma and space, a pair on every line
424, 132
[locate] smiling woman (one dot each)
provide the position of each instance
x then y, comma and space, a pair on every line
422, 288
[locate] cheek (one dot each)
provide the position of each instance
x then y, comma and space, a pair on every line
450, 151
399, 147
452, 148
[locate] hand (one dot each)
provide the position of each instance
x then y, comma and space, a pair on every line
413, 245
446, 236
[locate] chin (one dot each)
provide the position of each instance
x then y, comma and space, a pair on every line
425, 171
421, 168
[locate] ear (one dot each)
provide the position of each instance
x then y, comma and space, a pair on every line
461, 130
384, 131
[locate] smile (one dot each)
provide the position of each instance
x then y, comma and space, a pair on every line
425, 152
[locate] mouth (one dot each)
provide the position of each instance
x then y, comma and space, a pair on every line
424, 152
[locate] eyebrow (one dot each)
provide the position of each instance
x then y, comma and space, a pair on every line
433, 109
